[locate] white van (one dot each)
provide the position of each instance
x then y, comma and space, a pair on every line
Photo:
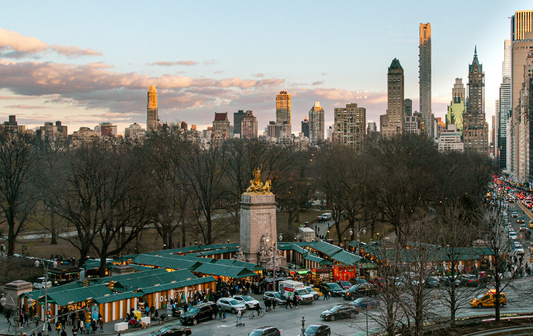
289, 288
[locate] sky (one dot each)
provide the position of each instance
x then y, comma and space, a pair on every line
87, 62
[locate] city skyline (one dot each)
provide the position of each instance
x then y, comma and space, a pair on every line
93, 70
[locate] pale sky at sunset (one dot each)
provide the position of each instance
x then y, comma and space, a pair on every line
90, 62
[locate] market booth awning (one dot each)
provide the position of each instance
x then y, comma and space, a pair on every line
116, 297
166, 262
139, 280
234, 272
233, 262
82, 294
175, 285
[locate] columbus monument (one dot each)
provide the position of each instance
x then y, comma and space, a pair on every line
258, 238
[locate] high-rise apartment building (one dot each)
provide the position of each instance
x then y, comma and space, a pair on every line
503, 109
152, 117
457, 106
249, 126
134, 131
283, 108
412, 124
106, 129
349, 126
316, 124
450, 140
407, 107
424, 75
372, 127
517, 144
475, 127
392, 122
221, 127
237, 119
305, 127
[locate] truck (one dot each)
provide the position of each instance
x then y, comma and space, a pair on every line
290, 288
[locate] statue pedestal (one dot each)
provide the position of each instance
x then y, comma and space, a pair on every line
258, 220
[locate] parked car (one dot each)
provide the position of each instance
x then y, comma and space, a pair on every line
317, 330
172, 330
265, 331
312, 291
339, 312
518, 247
202, 312
324, 217
365, 302
344, 284
469, 280
432, 282
231, 305
248, 301
39, 284
514, 214
531, 224
275, 296
447, 281
355, 281
379, 282
335, 289
360, 290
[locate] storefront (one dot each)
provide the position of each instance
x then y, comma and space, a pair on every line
343, 273
180, 292
319, 275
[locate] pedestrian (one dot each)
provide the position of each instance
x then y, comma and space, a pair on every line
295, 301
220, 314
223, 314
239, 317
63, 333
39, 333
93, 326
274, 303
267, 303
156, 314
74, 331
81, 326
152, 310
101, 324
88, 327
58, 327
329, 294
185, 307
288, 303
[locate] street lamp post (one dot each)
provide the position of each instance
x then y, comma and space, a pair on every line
280, 237
3, 301
45, 266
363, 230
303, 325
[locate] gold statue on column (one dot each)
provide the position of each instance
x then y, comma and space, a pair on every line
256, 186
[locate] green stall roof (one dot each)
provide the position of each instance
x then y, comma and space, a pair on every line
247, 265
173, 263
75, 295
225, 270
315, 258
152, 279
116, 297
180, 284
325, 248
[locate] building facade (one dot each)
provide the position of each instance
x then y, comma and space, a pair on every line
134, 131
450, 140
372, 127
316, 124
249, 126
412, 124
475, 127
221, 127
237, 119
152, 116
106, 129
305, 127
392, 122
408, 107
349, 126
424, 74
503, 109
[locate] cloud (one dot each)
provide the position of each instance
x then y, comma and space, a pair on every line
218, 72
259, 75
164, 63
323, 74
25, 107
16, 45
209, 62
15, 98
318, 82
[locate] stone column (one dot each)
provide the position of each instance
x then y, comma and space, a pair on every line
14, 289
258, 219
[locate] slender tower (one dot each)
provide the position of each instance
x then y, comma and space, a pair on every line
152, 119
392, 123
424, 71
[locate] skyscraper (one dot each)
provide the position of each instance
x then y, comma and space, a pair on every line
521, 24
424, 72
152, 118
475, 127
237, 119
407, 107
305, 127
350, 126
283, 108
221, 127
249, 126
316, 124
457, 107
503, 109
392, 123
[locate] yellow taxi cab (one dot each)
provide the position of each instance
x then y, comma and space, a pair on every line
531, 224
531, 247
487, 299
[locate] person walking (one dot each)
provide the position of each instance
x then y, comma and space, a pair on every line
329, 294
267, 304
295, 301
288, 303
274, 304
64, 333
74, 331
101, 324
223, 314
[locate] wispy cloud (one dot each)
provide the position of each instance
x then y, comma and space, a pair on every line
209, 62
259, 75
16, 45
25, 107
318, 83
165, 63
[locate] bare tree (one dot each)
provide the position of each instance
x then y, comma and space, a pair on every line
17, 194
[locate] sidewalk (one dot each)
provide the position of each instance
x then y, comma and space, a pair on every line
109, 327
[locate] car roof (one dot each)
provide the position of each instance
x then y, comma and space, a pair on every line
263, 328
